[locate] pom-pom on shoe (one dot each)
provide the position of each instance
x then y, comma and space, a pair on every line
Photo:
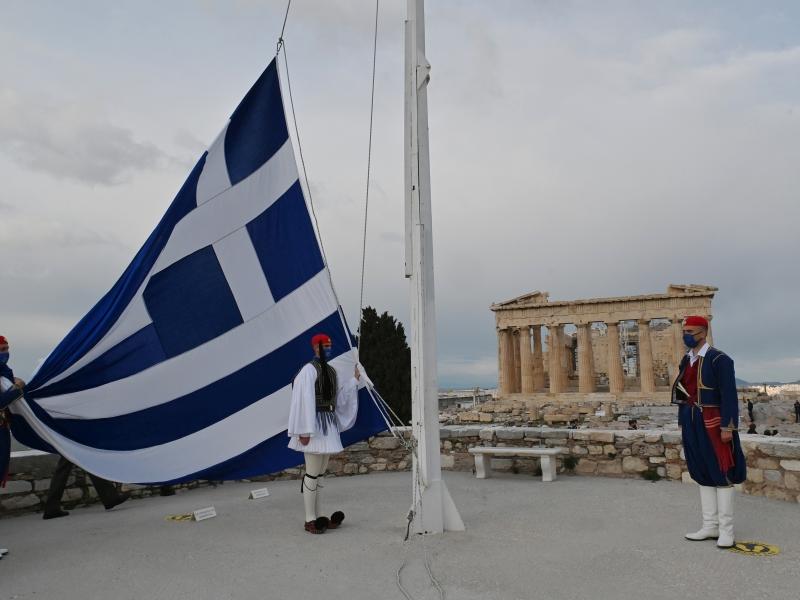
336, 519
318, 525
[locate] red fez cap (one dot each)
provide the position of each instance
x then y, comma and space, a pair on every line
695, 321
320, 338
3, 340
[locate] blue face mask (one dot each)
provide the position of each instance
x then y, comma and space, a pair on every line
4, 357
689, 340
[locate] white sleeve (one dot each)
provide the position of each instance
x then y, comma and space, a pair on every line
347, 404
303, 411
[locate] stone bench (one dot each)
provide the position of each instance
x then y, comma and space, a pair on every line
483, 455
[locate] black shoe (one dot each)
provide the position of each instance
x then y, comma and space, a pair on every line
120, 499
54, 514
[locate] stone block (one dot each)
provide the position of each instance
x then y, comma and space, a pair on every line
671, 454
555, 442
509, 434
579, 450
367, 460
486, 434
384, 443
469, 417
444, 433
671, 437
652, 438
772, 476
595, 450
351, 468
609, 467
786, 450
362, 469
41, 485
586, 466
73, 494
778, 494
791, 465
358, 446
609, 449
16, 486
502, 464
662, 472
634, 464
767, 463
402, 465
556, 418
755, 475
551, 434
377, 467
485, 417
792, 481
686, 478
448, 461
673, 471
20, 502
447, 445
606, 437
657, 460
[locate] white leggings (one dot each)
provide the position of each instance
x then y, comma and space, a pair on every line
316, 465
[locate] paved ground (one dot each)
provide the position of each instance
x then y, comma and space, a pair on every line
576, 538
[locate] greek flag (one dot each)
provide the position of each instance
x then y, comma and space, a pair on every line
184, 369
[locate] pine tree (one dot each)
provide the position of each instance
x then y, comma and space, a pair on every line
387, 359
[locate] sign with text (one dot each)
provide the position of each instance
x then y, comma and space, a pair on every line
204, 513
259, 493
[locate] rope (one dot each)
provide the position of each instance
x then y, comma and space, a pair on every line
305, 178
279, 45
369, 165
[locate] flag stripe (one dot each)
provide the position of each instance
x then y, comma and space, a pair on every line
218, 358
197, 410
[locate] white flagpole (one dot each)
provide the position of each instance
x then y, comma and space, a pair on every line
433, 507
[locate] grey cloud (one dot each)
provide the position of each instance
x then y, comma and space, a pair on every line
69, 142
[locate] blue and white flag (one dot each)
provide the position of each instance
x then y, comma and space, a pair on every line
183, 370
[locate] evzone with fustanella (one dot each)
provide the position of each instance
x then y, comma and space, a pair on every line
322, 407
708, 415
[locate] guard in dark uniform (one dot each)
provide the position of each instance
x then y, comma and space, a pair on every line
708, 415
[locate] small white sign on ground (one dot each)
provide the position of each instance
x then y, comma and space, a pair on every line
259, 493
204, 513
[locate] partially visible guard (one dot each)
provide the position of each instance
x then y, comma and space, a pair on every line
11, 388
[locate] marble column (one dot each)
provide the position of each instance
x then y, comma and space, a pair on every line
526, 361
554, 343
616, 379
647, 379
517, 386
502, 362
538, 364
585, 360
678, 348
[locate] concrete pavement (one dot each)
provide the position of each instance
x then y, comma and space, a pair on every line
576, 538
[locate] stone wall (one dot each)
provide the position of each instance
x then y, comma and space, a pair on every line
773, 463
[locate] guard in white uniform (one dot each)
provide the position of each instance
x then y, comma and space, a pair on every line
322, 407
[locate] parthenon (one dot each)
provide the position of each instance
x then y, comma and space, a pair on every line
623, 347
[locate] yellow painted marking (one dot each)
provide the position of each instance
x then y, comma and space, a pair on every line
186, 517
755, 549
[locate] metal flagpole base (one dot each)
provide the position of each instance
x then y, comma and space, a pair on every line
438, 512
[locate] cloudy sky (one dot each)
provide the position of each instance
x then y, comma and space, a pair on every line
584, 148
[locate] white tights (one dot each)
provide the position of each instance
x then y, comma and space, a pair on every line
316, 465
